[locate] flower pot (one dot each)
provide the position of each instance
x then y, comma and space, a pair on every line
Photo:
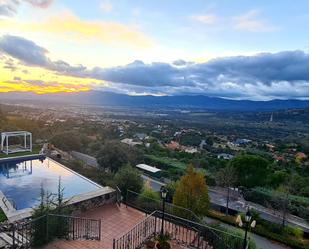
162, 245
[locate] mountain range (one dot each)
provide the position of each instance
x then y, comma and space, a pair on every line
100, 98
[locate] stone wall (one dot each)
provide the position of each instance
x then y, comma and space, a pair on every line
95, 202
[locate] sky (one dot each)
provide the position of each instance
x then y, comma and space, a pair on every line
236, 49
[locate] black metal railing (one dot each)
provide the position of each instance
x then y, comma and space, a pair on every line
138, 235
149, 205
44, 229
181, 231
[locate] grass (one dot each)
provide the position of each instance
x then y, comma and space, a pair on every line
170, 162
35, 151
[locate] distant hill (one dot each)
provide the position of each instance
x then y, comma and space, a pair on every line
184, 101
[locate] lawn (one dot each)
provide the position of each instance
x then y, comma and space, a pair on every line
34, 152
169, 162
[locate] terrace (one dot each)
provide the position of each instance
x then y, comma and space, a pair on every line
99, 219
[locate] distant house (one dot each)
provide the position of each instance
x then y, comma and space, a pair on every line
131, 142
300, 156
278, 158
202, 144
225, 156
140, 136
173, 145
190, 150
242, 141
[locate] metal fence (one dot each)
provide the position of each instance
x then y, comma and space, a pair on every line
42, 230
148, 205
181, 231
183, 224
138, 235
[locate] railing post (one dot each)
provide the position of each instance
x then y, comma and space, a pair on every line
127, 198
100, 229
114, 244
13, 232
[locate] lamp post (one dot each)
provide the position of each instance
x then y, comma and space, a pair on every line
163, 192
248, 218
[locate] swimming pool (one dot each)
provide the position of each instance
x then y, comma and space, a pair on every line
21, 181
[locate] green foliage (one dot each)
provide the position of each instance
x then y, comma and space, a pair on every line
192, 192
2, 216
113, 155
251, 170
163, 241
69, 141
148, 199
128, 178
288, 236
45, 227
297, 205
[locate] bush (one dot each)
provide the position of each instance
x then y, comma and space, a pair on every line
289, 236
298, 205
148, 199
2, 216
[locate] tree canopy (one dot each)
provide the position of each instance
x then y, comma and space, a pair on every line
128, 178
251, 170
192, 192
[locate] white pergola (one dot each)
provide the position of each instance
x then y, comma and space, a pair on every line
26, 145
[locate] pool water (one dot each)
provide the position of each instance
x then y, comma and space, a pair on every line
21, 181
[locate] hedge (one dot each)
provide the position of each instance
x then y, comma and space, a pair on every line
297, 205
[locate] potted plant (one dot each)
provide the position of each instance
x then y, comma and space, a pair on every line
162, 241
150, 244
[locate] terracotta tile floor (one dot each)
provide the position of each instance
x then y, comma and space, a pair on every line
115, 222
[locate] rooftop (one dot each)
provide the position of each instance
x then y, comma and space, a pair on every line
148, 168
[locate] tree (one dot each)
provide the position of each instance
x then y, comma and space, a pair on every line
251, 170
67, 141
192, 192
2, 117
114, 155
226, 177
283, 201
128, 178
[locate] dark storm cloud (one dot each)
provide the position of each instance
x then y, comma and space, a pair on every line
138, 73
24, 50
266, 75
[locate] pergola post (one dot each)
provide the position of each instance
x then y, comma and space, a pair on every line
31, 142
7, 144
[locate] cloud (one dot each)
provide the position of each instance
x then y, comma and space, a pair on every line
205, 19
40, 3
251, 22
24, 50
261, 76
106, 6
69, 26
9, 8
